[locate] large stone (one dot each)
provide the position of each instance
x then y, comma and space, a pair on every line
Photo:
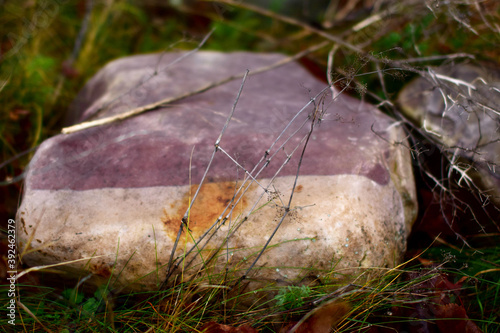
118, 192
458, 106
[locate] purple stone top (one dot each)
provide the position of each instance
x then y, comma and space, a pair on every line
162, 147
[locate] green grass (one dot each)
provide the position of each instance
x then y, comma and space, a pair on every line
389, 299
39, 78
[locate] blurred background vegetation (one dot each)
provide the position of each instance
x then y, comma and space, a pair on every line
50, 48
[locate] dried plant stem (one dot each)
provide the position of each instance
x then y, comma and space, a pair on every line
184, 220
291, 21
166, 101
32, 315
336, 39
250, 178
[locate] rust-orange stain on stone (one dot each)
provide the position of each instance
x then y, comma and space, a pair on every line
209, 205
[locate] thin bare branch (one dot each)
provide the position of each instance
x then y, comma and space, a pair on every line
167, 101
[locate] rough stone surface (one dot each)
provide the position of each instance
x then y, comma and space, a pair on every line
118, 192
459, 106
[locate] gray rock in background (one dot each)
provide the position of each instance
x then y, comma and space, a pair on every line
117, 193
459, 107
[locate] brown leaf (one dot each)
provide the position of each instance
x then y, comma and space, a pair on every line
453, 318
246, 329
213, 327
322, 319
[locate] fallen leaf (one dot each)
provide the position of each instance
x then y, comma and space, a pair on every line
453, 318
321, 319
